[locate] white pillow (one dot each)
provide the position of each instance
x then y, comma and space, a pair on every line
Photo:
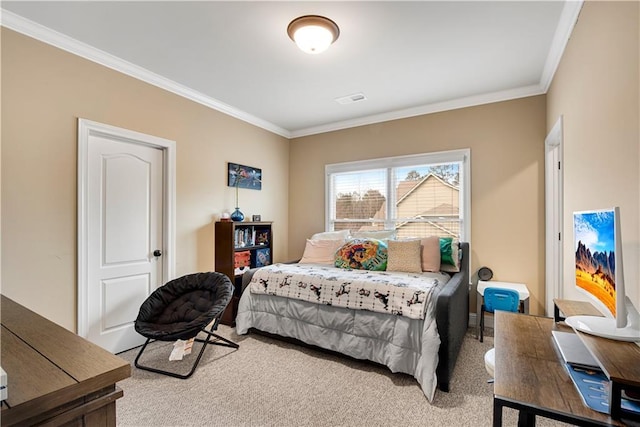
321, 251
379, 234
332, 235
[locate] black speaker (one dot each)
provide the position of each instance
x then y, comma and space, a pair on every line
485, 273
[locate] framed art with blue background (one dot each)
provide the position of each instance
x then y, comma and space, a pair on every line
263, 257
241, 176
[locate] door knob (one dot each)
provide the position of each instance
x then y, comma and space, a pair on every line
157, 253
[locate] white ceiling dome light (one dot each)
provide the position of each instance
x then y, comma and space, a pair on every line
312, 33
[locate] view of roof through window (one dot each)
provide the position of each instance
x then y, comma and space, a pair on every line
417, 201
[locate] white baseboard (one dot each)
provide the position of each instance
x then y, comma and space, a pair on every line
488, 320
472, 320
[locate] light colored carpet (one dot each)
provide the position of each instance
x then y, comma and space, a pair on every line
268, 382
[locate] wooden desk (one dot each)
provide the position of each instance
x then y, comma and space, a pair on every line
54, 376
530, 375
620, 361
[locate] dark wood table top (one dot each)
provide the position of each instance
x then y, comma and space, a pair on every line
529, 369
47, 365
576, 308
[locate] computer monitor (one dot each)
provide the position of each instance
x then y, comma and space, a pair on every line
599, 274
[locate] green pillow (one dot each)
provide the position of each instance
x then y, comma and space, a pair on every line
449, 254
446, 256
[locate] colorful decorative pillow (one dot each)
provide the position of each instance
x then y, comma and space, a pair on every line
320, 251
449, 254
332, 235
404, 255
374, 234
430, 255
362, 254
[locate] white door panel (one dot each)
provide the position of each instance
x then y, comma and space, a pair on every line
127, 181
553, 215
121, 299
125, 218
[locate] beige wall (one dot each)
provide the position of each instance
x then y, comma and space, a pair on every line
44, 92
507, 179
596, 91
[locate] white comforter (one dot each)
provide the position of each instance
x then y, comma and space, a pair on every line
401, 343
403, 294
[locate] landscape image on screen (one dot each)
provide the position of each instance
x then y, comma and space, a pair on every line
595, 255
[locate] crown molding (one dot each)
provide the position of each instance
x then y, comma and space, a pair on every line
566, 23
568, 20
39, 32
470, 101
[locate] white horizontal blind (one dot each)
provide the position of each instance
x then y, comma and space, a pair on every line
358, 199
419, 196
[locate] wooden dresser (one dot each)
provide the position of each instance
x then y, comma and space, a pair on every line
54, 376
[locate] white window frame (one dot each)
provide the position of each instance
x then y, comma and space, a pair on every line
462, 155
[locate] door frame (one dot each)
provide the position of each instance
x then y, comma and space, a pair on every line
554, 237
87, 128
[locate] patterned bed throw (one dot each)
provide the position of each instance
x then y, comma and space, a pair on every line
404, 294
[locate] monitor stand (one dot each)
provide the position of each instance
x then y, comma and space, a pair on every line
606, 327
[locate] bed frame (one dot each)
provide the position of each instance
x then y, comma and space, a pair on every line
452, 319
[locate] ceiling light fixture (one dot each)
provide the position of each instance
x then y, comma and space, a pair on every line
312, 33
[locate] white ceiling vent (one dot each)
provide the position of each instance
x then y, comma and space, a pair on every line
350, 99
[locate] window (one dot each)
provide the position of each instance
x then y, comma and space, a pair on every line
418, 196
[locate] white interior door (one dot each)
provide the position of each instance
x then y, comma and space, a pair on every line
124, 252
553, 215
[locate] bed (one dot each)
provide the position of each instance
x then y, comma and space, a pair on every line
426, 348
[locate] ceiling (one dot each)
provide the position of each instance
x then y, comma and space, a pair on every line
407, 58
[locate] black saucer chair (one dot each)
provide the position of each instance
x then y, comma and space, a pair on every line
183, 308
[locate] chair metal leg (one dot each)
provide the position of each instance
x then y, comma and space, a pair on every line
225, 343
169, 373
218, 341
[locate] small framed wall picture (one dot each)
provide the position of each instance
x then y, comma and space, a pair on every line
256, 218
241, 176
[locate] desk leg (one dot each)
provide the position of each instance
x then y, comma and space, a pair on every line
479, 301
526, 419
497, 413
615, 400
556, 314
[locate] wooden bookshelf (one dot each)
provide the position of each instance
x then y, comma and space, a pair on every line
240, 246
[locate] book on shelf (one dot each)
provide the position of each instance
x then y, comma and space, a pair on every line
245, 237
262, 237
242, 261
